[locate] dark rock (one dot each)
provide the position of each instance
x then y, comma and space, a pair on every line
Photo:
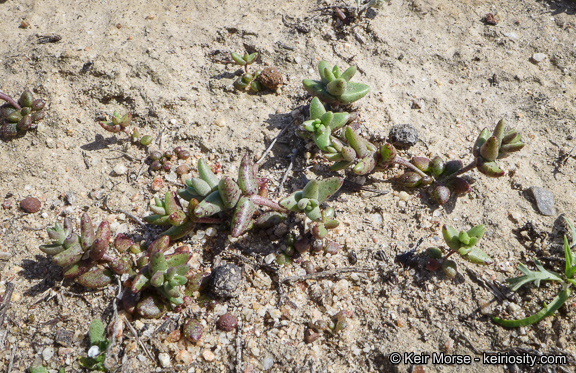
225, 280
64, 337
403, 135
227, 322
30, 204
544, 200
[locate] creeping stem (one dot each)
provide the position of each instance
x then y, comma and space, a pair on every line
405, 163
10, 100
461, 171
262, 201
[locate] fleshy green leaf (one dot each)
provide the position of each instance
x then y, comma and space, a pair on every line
540, 275
546, 311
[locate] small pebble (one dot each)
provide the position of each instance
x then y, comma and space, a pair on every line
544, 200
184, 357
225, 280
172, 177
164, 359
7, 204
157, 183
269, 258
403, 196
93, 351
182, 169
268, 361
64, 337
537, 58
227, 322
70, 198
403, 135
47, 353
208, 355
211, 232
120, 169
30, 204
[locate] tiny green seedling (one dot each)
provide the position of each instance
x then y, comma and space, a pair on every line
462, 243
248, 81
120, 123
97, 352
335, 87
542, 274
18, 117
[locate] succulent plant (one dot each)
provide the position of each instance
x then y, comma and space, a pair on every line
346, 148
164, 273
337, 323
541, 274
18, 117
463, 243
248, 81
161, 161
309, 201
207, 195
335, 87
486, 151
79, 254
120, 123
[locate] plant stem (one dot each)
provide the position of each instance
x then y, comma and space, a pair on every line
405, 163
263, 201
10, 100
461, 171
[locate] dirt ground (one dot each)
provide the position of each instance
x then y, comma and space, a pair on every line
430, 63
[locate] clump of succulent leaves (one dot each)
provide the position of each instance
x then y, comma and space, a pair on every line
336, 324
163, 161
98, 346
462, 243
335, 87
120, 123
542, 274
17, 117
248, 81
87, 257
207, 195
344, 146
487, 149
158, 286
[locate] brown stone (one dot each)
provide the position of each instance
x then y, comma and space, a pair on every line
30, 205
271, 78
227, 322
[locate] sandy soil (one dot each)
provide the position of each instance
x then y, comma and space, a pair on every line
430, 63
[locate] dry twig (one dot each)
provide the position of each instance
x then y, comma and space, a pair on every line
323, 274
273, 143
138, 341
